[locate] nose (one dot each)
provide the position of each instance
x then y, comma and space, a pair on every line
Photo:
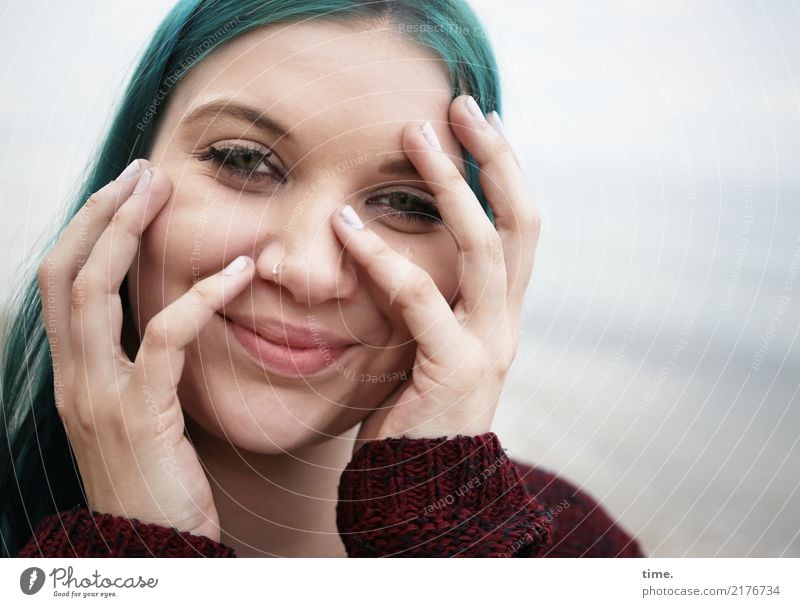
314, 266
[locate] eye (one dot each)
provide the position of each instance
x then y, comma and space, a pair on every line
243, 162
405, 207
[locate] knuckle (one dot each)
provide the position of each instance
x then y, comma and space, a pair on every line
79, 290
88, 282
94, 200
501, 371
126, 220
534, 222
201, 293
529, 223
44, 272
155, 335
493, 248
510, 347
453, 180
381, 249
88, 209
509, 353
119, 219
81, 417
420, 284
501, 364
501, 148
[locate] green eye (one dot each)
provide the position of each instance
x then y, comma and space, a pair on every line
247, 160
243, 162
407, 207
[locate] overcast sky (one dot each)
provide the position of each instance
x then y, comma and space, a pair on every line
615, 87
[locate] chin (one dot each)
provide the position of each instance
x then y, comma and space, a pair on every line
256, 416
279, 438
225, 393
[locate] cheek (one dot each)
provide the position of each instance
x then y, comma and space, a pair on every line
184, 243
438, 256
443, 264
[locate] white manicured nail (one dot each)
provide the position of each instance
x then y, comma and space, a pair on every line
237, 265
430, 136
494, 120
475, 109
351, 218
131, 171
143, 182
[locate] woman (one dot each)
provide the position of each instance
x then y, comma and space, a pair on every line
284, 327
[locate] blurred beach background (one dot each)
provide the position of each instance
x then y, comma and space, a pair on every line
658, 368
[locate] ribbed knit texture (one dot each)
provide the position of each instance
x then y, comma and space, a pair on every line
459, 497
83, 533
398, 497
580, 527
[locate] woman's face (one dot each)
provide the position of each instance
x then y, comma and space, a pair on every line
330, 101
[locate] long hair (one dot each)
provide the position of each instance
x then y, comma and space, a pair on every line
38, 474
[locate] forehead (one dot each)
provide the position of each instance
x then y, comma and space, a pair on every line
325, 79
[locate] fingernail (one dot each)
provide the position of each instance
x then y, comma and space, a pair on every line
130, 171
430, 136
143, 182
350, 217
475, 109
237, 265
494, 120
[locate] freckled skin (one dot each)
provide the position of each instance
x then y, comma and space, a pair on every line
345, 92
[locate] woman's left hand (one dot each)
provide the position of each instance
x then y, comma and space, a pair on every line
463, 354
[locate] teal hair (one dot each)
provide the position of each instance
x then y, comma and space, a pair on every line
38, 475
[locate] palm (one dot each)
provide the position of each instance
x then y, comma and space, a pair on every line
422, 404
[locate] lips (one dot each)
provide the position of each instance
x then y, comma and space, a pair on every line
288, 350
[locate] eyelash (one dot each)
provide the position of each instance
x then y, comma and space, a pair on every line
226, 157
425, 211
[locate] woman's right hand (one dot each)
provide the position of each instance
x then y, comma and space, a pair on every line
123, 419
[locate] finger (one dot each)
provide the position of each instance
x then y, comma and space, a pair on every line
483, 282
426, 312
62, 263
517, 218
159, 361
97, 308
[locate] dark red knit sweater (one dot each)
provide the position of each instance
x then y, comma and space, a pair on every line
397, 497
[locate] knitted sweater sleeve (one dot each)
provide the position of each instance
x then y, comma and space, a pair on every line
397, 497
438, 498
81, 532
580, 526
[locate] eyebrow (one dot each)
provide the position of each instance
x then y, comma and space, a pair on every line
404, 168
399, 167
244, 113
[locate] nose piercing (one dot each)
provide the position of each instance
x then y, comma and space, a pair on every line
275, 276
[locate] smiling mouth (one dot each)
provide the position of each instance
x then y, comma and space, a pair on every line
284, 360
